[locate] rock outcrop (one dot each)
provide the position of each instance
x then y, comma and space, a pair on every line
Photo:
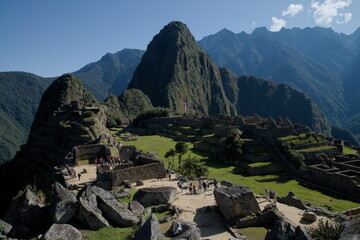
62, 231
6, 228
29, 210
236, 201
150, 230
282, 230
90, 214
113, 210
65, 205
154, 196
351, 230
190, 231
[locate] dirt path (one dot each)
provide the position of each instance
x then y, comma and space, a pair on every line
198, 208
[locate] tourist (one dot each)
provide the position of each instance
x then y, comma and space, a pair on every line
79, 176
190, 188
194, 189
178, 229
159, 177
204, 185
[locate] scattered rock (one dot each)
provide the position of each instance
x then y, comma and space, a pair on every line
122, 195
185, 224
309, 216
62, 231
282, 230
139, 183
236, 201
291, 200
113, 210
136, 208
191, 234
6, 227
150, 230
28, 209
90, 214
226, 183
154, 196
65, 205
351, 230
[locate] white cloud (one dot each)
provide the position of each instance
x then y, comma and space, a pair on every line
293, 9
278, 23
346, 18
325, 12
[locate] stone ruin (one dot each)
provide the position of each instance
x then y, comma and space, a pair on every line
235, 201
341, 172
135, 165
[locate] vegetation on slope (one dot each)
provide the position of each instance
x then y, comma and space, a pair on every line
19, 100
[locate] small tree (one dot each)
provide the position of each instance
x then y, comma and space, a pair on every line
171, 153
326, 230
192, 167
233, 145
181, 148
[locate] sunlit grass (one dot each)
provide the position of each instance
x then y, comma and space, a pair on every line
277, 182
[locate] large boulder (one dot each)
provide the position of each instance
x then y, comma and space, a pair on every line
65, 204
28, 209
113, 210
136, 208
154, 196
190, 231
236, 201
351, 230
62, 231
309, 216
150, 230
90, 214
283, 230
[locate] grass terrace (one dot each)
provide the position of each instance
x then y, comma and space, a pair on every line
260, 164
281, 183
315, 149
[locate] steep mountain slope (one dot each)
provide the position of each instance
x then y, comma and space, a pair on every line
174, 72
68, 116
19, 100
351, 83
111, 74
264, 55
254, 95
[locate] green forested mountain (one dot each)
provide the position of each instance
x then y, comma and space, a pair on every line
111, 74
128, 105
19, 99
174, 72
289, 56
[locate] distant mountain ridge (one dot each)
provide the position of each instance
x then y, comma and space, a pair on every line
176, 73
292, 56
309, 59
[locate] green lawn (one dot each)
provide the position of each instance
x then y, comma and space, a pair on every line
160, 145
254, 233
109, 233
348, 150
260, 164
314, 149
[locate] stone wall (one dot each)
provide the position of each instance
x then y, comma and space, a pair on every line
91, 152
148, 171
341, 181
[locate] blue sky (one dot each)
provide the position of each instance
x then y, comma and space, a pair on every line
49, 38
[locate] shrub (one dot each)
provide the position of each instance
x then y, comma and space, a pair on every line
193, 168
297, 159
152, 113
88, 114
326, 230
233, 145
111, 123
